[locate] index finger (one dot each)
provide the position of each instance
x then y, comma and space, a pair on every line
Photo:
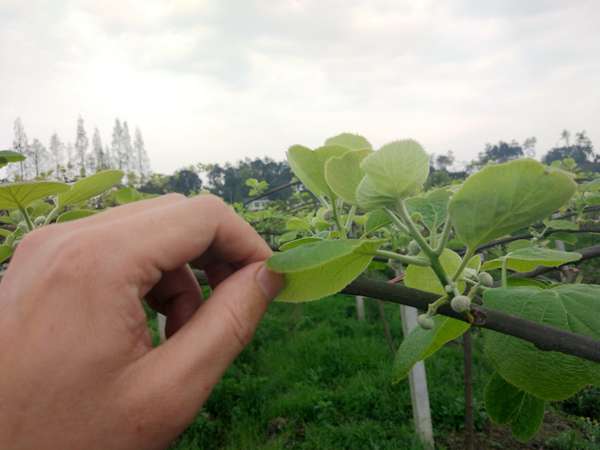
201, 229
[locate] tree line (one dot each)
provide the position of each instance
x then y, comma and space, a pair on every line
68, 161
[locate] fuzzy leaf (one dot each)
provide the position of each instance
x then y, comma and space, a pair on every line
502, 198
309, 166
421, 344
547, 375
506, 404
397, 170
20, 195
528, 258
424, 278
74, 214
89, 187
343, 174
349, 140
315, 270
432, 206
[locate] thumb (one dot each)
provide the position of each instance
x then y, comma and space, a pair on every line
193, 360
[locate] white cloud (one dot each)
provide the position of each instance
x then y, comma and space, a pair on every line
220, 80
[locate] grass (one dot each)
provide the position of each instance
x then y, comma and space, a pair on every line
316, 378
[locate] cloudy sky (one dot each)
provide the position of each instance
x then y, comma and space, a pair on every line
218, 80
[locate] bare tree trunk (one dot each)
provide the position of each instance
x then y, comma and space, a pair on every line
468, 376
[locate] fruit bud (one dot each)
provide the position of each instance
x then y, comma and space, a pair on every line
425, 321
486, 279
416, 217
461, 303
413, 248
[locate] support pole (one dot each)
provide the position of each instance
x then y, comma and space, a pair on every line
417, 379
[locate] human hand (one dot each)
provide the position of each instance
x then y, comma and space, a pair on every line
77, 368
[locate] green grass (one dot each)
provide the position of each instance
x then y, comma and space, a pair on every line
316, 378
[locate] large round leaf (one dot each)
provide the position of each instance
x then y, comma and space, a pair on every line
505, 197
528, 258
309, 165
20, 195
424, 278
506, 404
547, 375
343, 174
397, 170
349, 140
313, 271
89, 187
421, 344
432, 206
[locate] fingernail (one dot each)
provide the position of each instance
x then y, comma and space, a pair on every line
269, 282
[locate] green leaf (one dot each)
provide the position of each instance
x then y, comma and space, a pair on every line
421, 344
561, 224
5, 233
530, 418
297, 224
432, 206
349, 140
343, 174
316, 270
309, 166
377, 219
5, 253
506, 404
564, 236
127, 195
9, 156
89, 187
74, 214
502, 198
547, 375
424, 278
528, 258
20, 195
298, 242
396, 171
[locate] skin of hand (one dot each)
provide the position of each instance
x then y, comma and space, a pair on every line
77, 368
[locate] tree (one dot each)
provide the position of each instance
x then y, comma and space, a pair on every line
141, 157
529, 146
98, 152
443, 162
38, 157
20, 145
57, 152
184, 181
116, 144
498, 153
581, 151
126, 155
81, 146
70, 173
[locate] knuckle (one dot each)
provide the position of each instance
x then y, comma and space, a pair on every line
213, 201
34, 240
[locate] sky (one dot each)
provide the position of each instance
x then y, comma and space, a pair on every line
218, 80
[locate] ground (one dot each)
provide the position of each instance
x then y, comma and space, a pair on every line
314, 377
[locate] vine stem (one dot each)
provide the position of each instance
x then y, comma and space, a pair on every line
463, 264
429, 252
444, 237
350, 217
504, 273
28, 221
405, 259
337, 219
